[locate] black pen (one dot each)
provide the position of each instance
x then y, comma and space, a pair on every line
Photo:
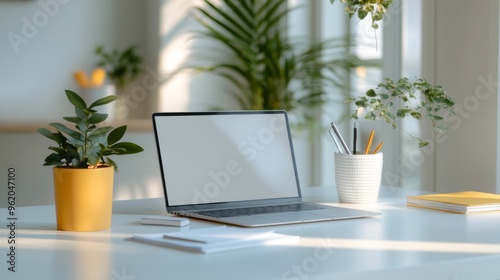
355, 138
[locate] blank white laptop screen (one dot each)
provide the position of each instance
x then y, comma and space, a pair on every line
225, 157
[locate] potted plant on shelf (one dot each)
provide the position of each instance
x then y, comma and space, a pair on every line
83, 172
122, 68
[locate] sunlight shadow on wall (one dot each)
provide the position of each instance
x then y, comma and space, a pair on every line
175, 47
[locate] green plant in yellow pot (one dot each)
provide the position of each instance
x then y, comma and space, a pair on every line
83, 172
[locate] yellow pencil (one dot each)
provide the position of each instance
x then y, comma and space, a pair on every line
370, 140
378, 147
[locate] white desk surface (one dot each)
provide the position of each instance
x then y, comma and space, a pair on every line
402, 243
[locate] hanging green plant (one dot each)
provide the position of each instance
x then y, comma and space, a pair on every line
394, 100
361, 8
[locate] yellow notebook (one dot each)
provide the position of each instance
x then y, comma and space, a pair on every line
458, 202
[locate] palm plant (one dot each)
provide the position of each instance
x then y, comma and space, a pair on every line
267, 69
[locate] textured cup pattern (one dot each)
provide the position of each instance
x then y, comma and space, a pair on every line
358, 177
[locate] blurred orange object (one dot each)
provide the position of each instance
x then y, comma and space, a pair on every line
81, 78
97, 78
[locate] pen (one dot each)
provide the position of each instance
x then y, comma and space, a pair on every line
335, 141
339, 137
378, 147
355, 138
369, 145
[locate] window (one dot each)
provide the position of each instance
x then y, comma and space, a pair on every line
391, 51
411, 157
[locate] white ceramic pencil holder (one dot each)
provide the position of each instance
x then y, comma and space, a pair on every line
358, 177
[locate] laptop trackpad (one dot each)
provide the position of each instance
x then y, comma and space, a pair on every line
274, 219
339, 213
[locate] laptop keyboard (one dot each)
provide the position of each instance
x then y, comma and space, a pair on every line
236, 212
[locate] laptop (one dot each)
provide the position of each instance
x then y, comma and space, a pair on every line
235, 167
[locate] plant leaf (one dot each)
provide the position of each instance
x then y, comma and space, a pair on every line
53, 159
112, 163
58, 150
60, 138
103, 101
117, 134
76, 100
371, 93
416, 115
97, 118
125, 148
70, 132
47, 133
101, 131
72, 119
80, 113
422, 143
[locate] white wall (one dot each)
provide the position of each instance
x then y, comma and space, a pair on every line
43, 42
461, 54
187, 91
35, 74
58, 37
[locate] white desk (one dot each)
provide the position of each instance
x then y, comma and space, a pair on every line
403, 243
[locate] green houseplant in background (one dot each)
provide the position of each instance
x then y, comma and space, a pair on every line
270, 71
122, 68
83, 172
266, 69
362, 8
394, 100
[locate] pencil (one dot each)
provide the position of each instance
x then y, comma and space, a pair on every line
370, 140
378, 147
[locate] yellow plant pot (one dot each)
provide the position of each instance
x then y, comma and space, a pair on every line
83, 198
